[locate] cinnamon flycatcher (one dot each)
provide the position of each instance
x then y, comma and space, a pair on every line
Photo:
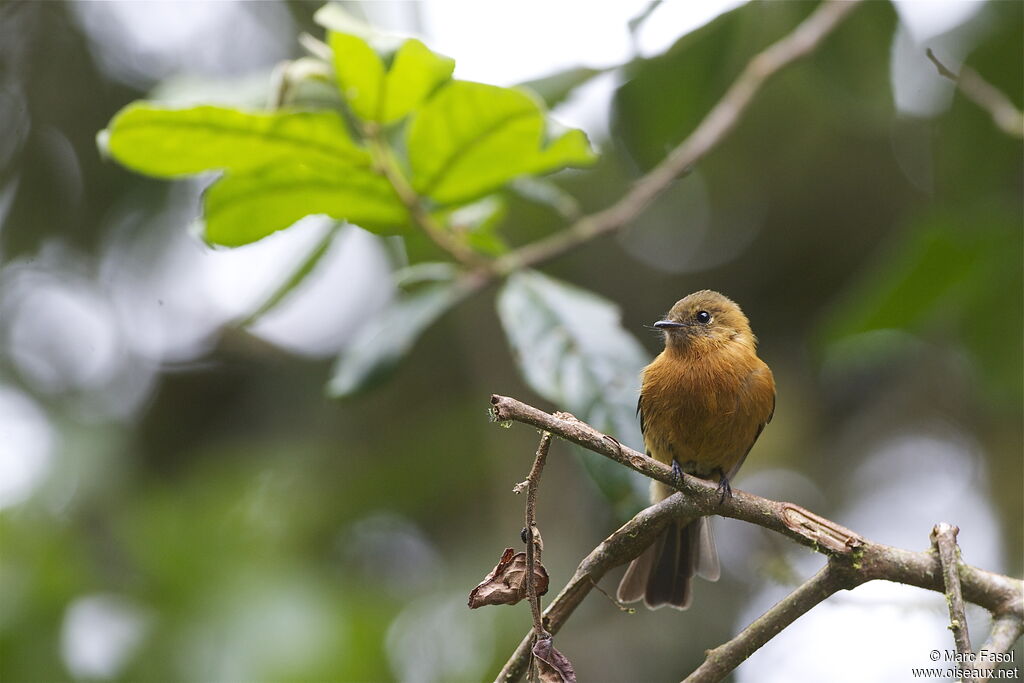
703, 402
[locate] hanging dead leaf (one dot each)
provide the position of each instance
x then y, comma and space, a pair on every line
506, 584
552, 665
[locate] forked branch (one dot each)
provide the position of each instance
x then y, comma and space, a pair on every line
852, 559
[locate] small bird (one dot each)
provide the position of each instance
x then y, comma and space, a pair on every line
703, 402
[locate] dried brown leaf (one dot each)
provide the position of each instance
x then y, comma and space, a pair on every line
552, 665
506, 583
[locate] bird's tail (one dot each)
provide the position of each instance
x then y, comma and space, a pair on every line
661, 574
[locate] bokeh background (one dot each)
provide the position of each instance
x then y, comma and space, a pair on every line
179, 500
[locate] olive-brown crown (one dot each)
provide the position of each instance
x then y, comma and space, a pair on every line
705, 316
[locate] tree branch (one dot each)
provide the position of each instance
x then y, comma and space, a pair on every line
726, 657
944, 541
532, 535
709, 133
628, 542
1006, 630
853, 560
1004, 114
715, 126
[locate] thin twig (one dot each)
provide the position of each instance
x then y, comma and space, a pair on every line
944, 540
1005, 115
1006, 630
533, 535
709, 133
715, 126
628, 542
853, 558
724, 658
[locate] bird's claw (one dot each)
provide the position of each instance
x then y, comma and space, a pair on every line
724, 489
677, 473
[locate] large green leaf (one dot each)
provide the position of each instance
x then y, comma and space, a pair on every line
471, 138
572, 349
415, 73
383, 340
174, 142
376, 93
360, 73
242, 208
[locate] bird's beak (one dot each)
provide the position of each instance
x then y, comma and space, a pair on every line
668, 325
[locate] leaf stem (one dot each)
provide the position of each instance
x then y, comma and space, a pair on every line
387, 165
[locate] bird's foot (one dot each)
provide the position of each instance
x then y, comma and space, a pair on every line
677, 473
724, 489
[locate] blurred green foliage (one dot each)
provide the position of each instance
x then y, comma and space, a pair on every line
572, 350
253, 529
464, 140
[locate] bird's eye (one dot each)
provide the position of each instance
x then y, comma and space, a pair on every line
703, 317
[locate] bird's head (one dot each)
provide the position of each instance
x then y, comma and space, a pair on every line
705, 319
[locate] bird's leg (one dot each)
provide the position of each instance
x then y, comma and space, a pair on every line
677, 473
724, 490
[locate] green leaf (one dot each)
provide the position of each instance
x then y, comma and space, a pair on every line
174, 142
572, 350
572, 149
471, 138
360, 73
296, 278
419, 273
477, 224
415, 73
239, 209
378, 94
557, 87
385, 339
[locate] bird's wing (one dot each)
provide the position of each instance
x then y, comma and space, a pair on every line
759, 372
640, 412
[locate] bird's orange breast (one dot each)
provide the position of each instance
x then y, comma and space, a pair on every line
706, 410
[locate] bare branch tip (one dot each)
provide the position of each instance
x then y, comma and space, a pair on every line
940, 67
